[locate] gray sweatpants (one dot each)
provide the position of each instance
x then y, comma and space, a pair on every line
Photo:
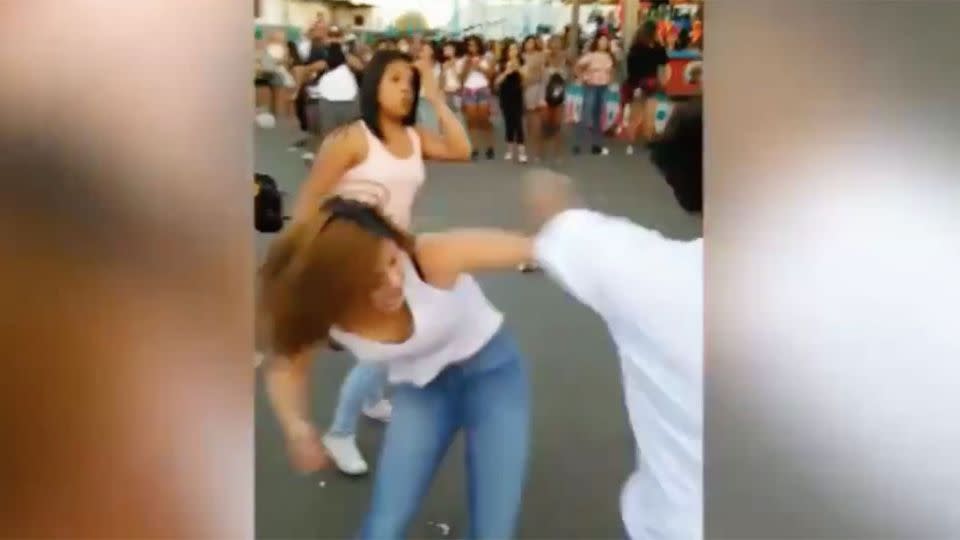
324, 116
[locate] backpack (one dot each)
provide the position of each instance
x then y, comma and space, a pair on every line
267, 204
556, 91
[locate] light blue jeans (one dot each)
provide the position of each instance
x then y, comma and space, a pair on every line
591, 116
362, 387
488, 397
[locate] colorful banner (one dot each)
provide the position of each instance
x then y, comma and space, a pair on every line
679, 69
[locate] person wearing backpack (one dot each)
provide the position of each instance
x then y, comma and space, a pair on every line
556, 75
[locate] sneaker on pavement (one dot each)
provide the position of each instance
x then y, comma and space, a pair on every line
346, 455
380, 410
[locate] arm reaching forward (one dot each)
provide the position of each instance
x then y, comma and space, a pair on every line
444, 256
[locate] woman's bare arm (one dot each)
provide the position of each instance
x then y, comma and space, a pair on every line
287, 388
452, 143
444, 256
338, 153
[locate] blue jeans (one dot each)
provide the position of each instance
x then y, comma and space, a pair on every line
590, 125
362, 387
488, 397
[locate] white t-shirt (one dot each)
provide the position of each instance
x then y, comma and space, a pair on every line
338, 84
476, 79
649, 291
450, 326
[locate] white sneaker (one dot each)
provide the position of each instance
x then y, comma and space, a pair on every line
308, 156
381, 410
344, 452
629, 149
604, 151
508, 156
522, 156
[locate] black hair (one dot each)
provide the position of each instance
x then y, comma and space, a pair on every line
595, 47
505, 52
523, 44
646, 34
481, 46
370, 89
293, 53
459, 47
595, 43
679, 155
683, 40
436, 47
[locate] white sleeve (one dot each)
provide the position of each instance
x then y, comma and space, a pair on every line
589, 255
304, 49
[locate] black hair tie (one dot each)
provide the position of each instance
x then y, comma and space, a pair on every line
368, 218
365, 215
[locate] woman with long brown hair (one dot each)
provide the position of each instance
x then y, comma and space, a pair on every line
409, 304
381, 156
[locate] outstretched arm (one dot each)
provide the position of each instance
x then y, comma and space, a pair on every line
444, 256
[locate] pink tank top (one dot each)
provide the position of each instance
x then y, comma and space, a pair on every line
392, 181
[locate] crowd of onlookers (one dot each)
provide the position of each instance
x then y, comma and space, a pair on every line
524, 82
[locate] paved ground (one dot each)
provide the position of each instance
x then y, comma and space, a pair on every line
581, 445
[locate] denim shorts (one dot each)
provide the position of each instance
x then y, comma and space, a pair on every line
477, 96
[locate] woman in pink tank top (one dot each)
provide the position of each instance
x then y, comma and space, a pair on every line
378, 159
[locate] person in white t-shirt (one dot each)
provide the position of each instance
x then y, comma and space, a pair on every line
336, 91
408, 305
648, 289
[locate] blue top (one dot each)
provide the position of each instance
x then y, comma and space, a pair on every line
689, 54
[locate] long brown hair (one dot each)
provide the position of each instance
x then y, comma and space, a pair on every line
321, 269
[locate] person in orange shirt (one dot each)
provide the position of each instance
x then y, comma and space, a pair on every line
696, 34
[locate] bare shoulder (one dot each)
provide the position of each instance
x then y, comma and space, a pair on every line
437, 262
348, 140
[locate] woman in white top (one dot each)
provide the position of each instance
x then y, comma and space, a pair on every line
476, 71
381, 158
348, 274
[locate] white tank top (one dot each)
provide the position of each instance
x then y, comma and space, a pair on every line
394, 182
476, 79
449, 326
